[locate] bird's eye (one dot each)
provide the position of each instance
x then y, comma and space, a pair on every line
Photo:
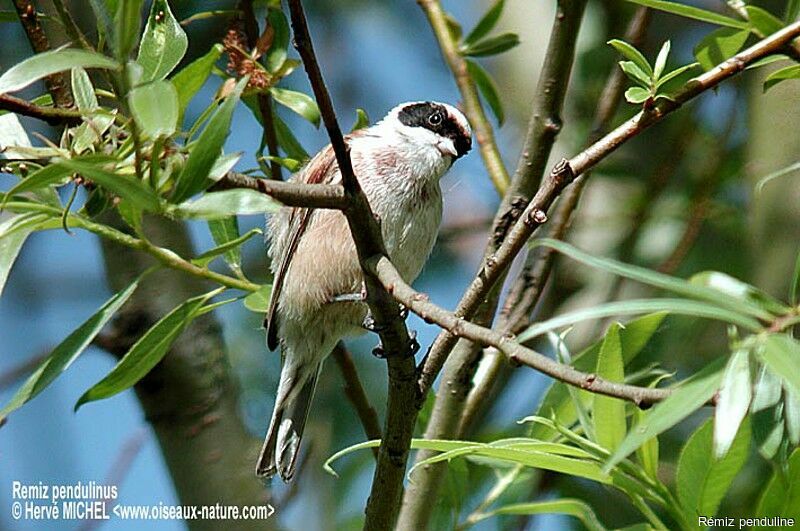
435, 118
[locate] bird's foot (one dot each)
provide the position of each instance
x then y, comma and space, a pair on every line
413, 346
370, 325
349, 297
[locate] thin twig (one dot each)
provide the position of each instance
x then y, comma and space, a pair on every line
473, 109
420, 304
289, 193
51, 115
264, 98
356, 395
387, 484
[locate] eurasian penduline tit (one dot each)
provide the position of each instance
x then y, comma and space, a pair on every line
398, 163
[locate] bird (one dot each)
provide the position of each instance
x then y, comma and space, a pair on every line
317, 291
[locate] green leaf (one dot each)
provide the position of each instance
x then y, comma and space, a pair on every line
633, 54
739, 290
778, 76
68, 350
794, 290
125, 186
702, 480
691, 12
287, 140
10, 247
487, 88
609, 413
527, 452
633, 337
155, 108
277, 53
96, 120
486, 24
46, 176
163, 45
781, 498
192, 77
638, 306
491, 45
44, 64
689, 396
791, 413
647, 453
225, 231
28, 221
781, 354
637, 95
635, 73
767, 392
258, 301
362, 121
792, 10
788, 170
208, 148
300, 103
229, 248
733, 402
147, 351
83, 90
290, 164
215, 205
582, 410
658, 280
672, 75
719, 45
453, 27
764, 21
566, 506
102, 13
127, 20
661, 60
13, 135
768, 60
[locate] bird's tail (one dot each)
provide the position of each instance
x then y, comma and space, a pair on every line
281, 445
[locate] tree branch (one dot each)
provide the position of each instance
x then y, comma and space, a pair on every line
355, 393
419, 304
527, 288
288, 193
568, 169
56, 83
387, 485
473, 109
545, 124
264, 98
51, 115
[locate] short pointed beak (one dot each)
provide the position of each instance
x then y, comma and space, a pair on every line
446, 147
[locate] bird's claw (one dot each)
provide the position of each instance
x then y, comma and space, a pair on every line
370, 325
413, 346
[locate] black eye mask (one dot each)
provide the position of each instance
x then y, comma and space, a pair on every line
434, 117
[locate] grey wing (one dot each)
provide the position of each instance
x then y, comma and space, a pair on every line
271, 321
321, 169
